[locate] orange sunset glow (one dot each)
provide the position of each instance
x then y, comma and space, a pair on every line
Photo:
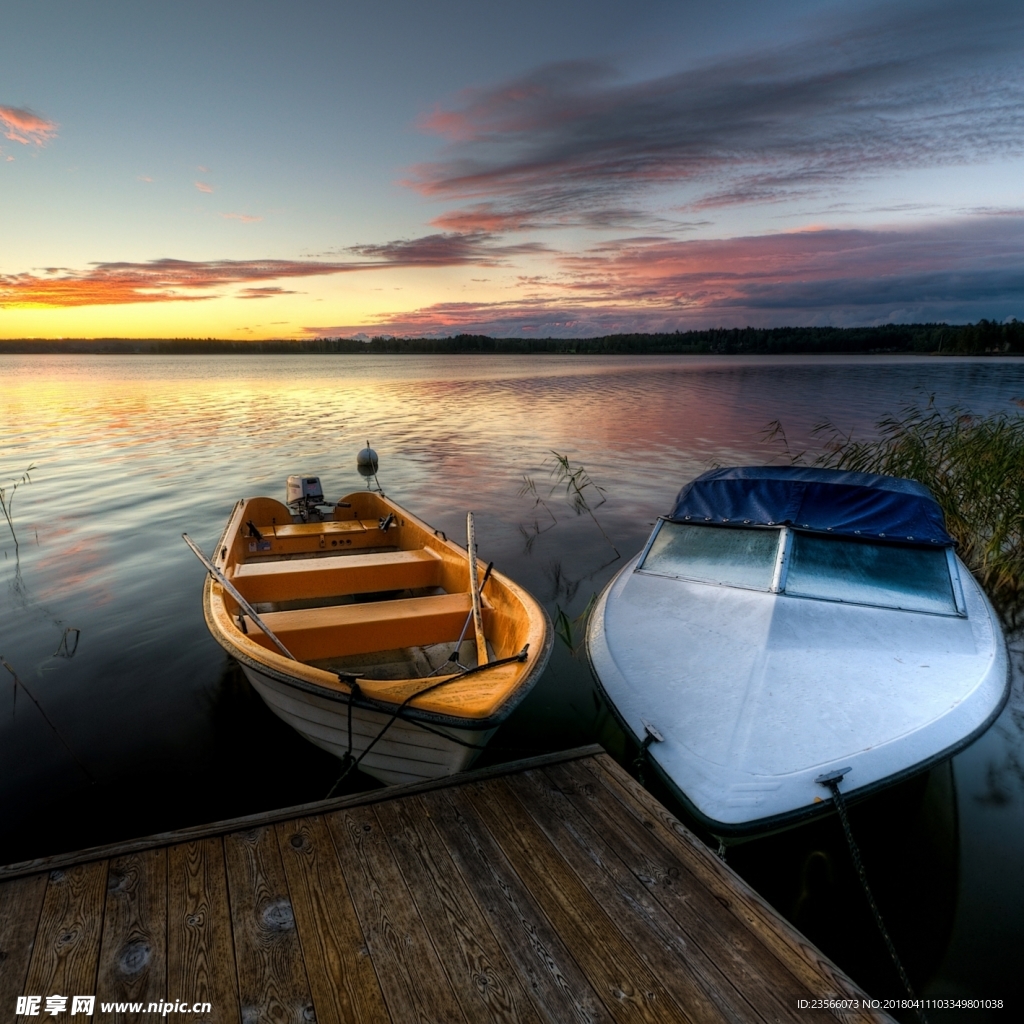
562, 188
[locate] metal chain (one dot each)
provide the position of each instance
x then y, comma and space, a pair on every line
833, 784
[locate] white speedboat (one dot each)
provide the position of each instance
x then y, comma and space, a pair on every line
785, 624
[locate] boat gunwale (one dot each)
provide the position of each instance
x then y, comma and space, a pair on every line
334, 689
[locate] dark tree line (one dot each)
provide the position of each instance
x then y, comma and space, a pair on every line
986, 337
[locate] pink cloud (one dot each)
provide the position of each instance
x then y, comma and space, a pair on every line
267, 292
245, 218
23, 126
157, 281
144, 177
952, 272
203, 187
169, 280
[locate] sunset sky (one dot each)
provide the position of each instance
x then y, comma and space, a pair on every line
540, 168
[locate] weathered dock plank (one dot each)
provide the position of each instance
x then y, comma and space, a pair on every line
133, 948
200, 957
413, 981
677, 957
629, 988
21, 902
546, 891
272, 984
741, 964
66, 951
341, 977
792, 952
530, 941
477, 970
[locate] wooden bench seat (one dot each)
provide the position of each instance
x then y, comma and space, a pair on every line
330, 528
315, 633
338, 575
299, 538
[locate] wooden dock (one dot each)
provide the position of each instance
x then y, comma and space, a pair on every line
550, 890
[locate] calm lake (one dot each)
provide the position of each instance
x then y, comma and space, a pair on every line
148, 726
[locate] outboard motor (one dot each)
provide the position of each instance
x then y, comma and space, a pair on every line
304, 496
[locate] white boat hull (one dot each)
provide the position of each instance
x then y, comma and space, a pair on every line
405, 753
756, 695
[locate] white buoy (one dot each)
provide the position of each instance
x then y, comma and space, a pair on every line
366, 461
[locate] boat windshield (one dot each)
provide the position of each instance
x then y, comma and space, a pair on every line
833, 569
732, 556
821, 567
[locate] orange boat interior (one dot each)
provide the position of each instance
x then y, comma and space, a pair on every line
372, 592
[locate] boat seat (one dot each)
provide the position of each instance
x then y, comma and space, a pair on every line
338, 575
312, 634
329, 527
299, 538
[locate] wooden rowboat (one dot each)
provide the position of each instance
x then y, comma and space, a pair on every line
370, 603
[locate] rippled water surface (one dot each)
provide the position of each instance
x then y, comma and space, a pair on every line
150, 727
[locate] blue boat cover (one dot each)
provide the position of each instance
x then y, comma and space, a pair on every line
864, 505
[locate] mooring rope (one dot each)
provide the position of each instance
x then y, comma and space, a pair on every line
638, 763
521, 656
832, 781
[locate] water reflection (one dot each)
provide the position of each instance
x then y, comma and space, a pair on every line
132, 451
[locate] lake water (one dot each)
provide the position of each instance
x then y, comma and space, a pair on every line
149, 726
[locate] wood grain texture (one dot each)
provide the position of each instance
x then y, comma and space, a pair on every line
228, 825
200, 956
67, 945
133, 949
791, 951
550, 891
628, 986
592, 849
21, 902
411, 977
272, 985
530, 941
731, 959
480, 975
342, 981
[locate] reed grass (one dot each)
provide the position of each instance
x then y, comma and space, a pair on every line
577, 482
974, 465
572, 632
7, 500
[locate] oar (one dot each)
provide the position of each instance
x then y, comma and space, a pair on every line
242, 603
474, 589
